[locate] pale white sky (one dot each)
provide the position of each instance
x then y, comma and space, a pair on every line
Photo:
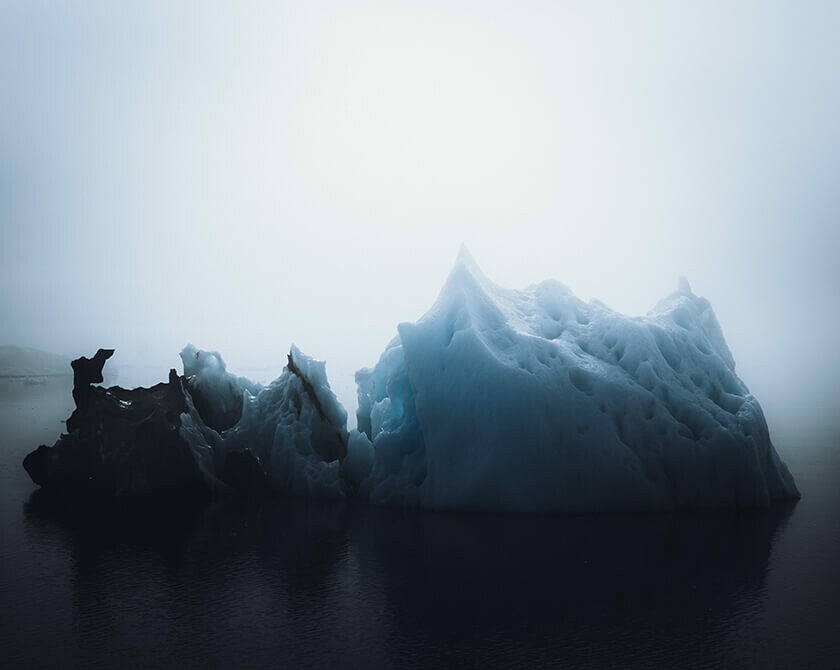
245, 178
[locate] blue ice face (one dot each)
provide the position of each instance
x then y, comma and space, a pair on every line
535, 400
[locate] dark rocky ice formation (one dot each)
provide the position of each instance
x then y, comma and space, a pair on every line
170, 438
120, 441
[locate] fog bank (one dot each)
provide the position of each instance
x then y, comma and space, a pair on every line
305, 174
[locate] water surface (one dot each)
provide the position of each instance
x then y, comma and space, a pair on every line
298, 583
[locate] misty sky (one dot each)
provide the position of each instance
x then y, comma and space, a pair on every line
305, 172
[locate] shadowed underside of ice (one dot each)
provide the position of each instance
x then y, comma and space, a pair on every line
535, 400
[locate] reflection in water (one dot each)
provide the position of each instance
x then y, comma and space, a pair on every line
583, 589
348, 584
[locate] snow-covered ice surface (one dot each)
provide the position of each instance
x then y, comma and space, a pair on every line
535, 400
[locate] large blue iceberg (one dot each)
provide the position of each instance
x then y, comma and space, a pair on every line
535, 400
495, 399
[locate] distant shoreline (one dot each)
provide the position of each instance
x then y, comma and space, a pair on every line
36, 376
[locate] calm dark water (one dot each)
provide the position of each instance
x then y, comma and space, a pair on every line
305, 584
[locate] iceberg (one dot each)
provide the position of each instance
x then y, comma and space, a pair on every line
534, 400
495, 399
294, 428
201, 433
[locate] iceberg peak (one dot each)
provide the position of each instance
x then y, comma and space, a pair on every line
465, 264
466, 269
464, 256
